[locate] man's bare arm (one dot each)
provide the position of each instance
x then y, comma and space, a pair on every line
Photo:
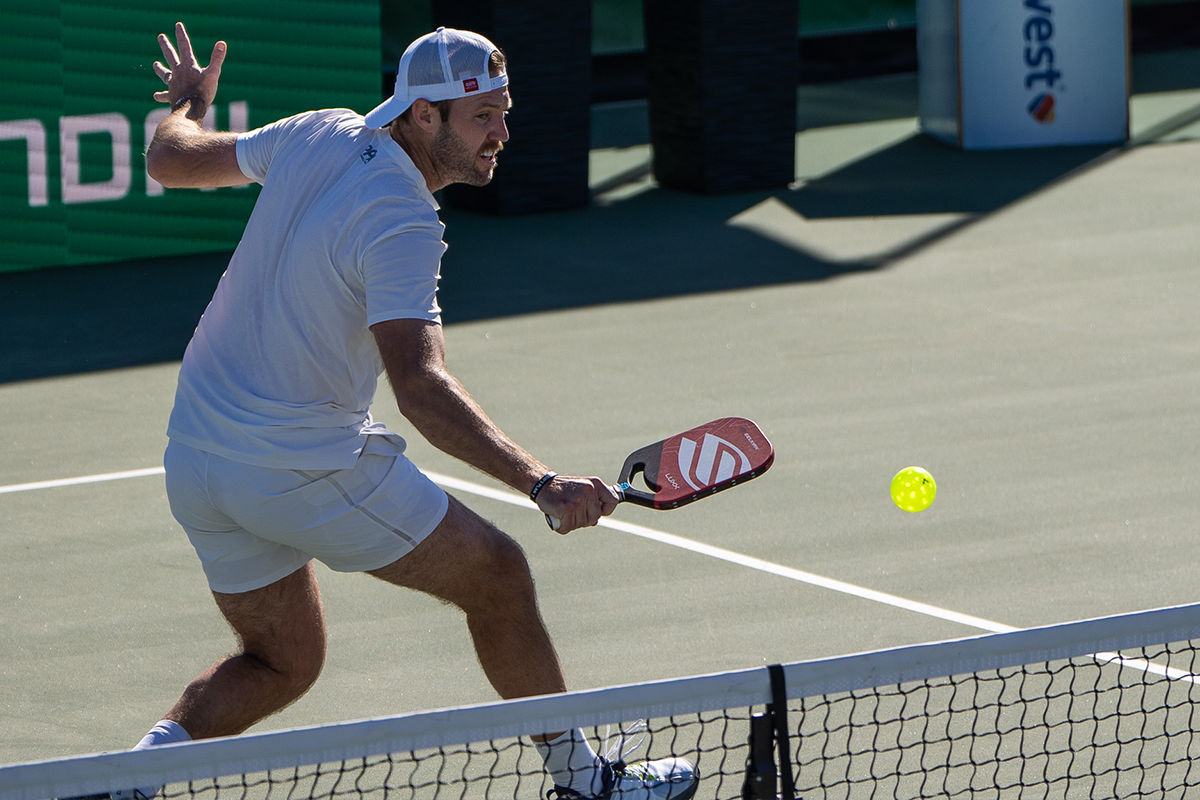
182, 154
442, 410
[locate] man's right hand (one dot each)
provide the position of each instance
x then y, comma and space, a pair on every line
182, 73
576, 502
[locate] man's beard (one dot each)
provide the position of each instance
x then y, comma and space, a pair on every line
456, 162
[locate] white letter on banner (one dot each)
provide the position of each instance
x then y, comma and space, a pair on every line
69, 131
34, 134
239, 116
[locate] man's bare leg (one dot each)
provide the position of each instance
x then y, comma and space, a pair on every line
281, 631
472, 564
281, 628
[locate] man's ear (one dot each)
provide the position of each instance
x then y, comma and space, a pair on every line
425, 115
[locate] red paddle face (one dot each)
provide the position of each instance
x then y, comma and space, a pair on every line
698, 462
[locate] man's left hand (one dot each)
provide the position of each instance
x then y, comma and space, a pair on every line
182, 73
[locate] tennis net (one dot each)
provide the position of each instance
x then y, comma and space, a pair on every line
1099, 708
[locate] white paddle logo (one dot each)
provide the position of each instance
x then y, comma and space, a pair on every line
714, 461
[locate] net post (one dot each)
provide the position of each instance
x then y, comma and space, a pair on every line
778, 712
760, 763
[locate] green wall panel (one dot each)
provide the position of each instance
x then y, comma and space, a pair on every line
81, 72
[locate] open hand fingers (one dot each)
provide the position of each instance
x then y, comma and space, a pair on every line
164, 74
186, 56
168, 51
180, 71
213, 71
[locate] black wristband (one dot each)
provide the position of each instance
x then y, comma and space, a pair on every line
537, 489
178, 104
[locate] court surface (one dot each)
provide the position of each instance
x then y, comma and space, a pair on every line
1022, 324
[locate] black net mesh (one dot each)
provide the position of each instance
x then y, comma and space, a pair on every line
1093, 727
1082, 710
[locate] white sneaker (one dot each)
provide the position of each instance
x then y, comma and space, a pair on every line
665, 779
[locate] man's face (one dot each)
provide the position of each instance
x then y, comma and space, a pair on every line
466, 144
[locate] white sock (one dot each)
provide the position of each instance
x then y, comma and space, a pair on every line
165, 732
572, 762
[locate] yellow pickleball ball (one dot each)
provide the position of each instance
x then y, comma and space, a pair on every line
913, 489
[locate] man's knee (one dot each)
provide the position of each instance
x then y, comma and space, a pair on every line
294, 670
305, 670
466, 561
499, 576
281, 629
507, 565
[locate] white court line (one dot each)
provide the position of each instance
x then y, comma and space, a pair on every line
743, 560
625, 527
810, 578
685, 544
107, 476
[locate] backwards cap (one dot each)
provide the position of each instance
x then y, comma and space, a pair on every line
443, 65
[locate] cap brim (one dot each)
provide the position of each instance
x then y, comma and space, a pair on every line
386, 111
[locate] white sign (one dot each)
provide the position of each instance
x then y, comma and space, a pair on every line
1031, 72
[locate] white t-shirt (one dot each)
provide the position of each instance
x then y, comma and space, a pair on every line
282, 368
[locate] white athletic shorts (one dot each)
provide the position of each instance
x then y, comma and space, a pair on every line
252, 525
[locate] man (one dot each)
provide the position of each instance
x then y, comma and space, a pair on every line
274, 459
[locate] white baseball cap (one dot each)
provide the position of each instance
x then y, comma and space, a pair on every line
443, 65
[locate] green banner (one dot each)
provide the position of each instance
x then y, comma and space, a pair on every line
76, 114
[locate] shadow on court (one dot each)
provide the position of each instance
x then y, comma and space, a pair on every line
658, 244
922, 176
83, 319
664, 243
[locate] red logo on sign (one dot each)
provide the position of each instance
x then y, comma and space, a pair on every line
471, 85
1042, 108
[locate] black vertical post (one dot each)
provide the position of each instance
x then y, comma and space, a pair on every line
761, 778
779, 713
722, 88
544, 166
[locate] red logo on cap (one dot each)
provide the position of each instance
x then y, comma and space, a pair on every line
470, 85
